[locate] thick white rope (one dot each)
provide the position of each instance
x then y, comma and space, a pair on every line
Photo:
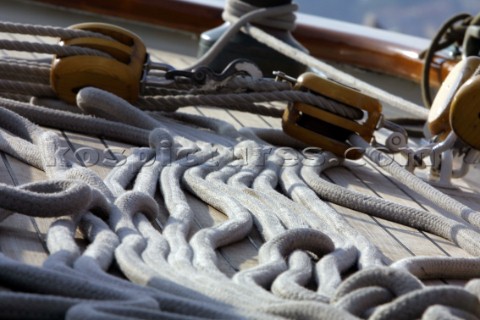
416, 184
180, 277
124, 220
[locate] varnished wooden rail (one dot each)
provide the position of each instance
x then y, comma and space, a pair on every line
364, 47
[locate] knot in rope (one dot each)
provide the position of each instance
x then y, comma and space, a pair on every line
285, 20
373, 287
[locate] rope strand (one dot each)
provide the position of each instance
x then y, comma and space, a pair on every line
62, 51
48, 31
232, 99
313, 263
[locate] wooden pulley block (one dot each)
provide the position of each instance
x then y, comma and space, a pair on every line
326, 130
439, 115
465, 113
119, 74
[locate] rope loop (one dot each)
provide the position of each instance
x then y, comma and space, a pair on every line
373, 287
52, 198
284, 20
307, 241
416, 303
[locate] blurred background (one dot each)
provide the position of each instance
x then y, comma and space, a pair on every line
415, 17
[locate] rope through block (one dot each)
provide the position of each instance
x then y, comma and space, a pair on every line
256, 192
324, 129
119, 74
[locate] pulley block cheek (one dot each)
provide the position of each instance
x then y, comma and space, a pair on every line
465, 113
326, 130
439, 115
120, 73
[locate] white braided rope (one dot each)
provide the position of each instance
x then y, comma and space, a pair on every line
245, 21
183, 277
180, 276
237, 8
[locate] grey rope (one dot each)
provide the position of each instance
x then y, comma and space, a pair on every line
370, 255
235, 83
284, 20
109, 106
302, 57
210, 287
413, 304
129, 273
38, 63
61, 51
26, 72
48, 31
460, 233
52, 103
77, 122
27, 88
249, 83
244, 177
53, 259
227, 100
234, 28
416, 184
173, 275
440, 267
21, 273
442, 312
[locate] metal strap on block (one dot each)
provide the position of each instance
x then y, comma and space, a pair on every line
120, 74
326, 130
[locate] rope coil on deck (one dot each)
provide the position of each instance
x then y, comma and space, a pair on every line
201, 245
313, 263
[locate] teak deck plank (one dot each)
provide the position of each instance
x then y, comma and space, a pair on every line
20, 237
229, 262
402, 241
242, 254
23, 238
413, 241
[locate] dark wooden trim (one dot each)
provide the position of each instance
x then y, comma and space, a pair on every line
372, 49
185, 15
340, 42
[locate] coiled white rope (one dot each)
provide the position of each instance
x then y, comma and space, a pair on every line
252, 14
172, 275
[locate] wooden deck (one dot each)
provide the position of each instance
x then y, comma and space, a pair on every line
23, 238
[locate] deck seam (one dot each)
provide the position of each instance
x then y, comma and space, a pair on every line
15, 182
377, 222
